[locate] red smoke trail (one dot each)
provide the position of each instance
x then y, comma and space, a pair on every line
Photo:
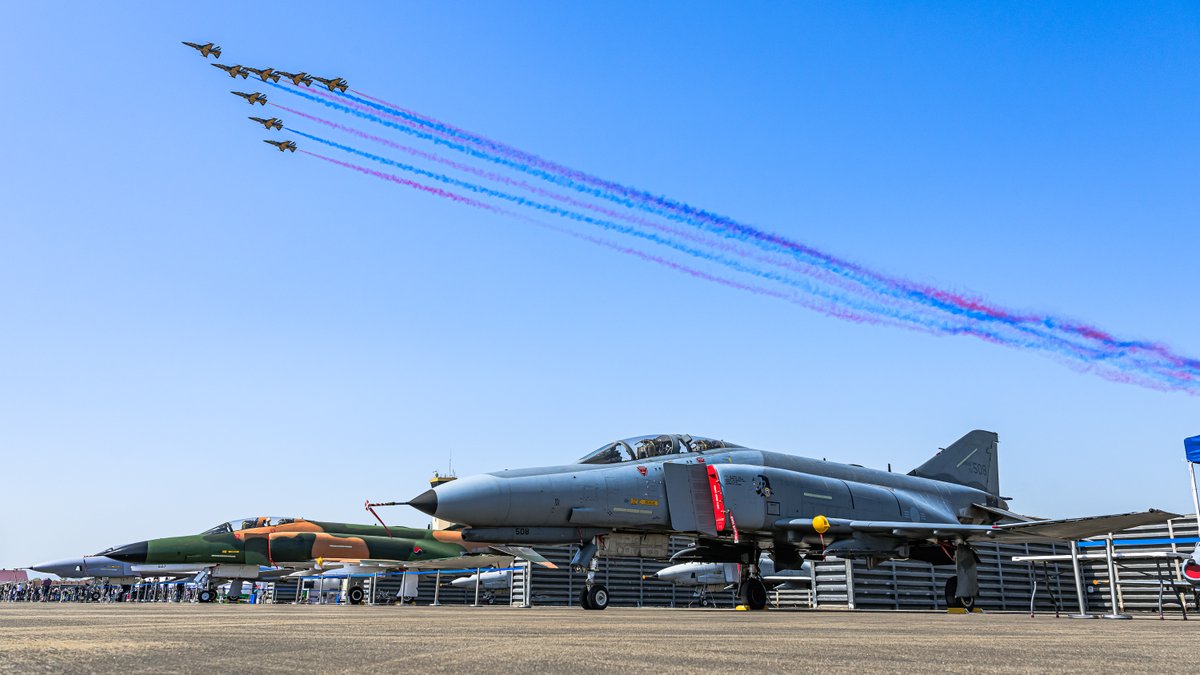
828, 309
452, 196
1178, 366
687, 234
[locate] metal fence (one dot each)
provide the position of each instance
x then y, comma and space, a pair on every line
1004, 584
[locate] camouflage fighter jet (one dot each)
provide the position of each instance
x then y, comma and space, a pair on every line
256, 97
333, 83
273, 123
233, 71
205, 50
265, 73
297, 78
283, 145
242, 546
629, 496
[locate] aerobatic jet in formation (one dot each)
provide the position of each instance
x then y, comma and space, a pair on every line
333, 83
205, 50
273, 123
239, 549
283, 145
629, 496
265, 73
233, 71
256, 97
297, 78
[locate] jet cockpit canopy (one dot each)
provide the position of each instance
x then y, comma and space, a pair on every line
645, 447
249, 523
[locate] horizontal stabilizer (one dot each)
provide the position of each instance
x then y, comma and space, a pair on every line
526, 553
1003, 513
1087, 526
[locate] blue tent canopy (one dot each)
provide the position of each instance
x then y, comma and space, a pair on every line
1192, 447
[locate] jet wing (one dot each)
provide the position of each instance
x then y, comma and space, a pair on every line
1063, 529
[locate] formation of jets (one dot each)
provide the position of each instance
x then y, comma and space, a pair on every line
268, 75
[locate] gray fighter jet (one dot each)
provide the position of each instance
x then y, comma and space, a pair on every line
627, 497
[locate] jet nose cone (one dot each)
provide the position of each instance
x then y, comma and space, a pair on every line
131, 553
59, 567
426, 502
476, 500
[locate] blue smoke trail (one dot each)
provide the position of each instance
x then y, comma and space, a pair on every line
1122, 360
624, 229
922, 323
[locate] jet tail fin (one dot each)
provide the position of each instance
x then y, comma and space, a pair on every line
970, 461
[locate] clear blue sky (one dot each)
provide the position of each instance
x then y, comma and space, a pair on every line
197, 328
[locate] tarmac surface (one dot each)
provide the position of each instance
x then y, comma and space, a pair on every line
283, 638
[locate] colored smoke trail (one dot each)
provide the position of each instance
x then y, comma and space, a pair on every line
454, 197
973, 308
1100, 352
686, 234
832, 310
616, 227
927, 323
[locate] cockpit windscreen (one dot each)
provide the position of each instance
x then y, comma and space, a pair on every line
645, 447
249, 523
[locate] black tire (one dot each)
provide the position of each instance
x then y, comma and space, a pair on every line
356, 595
598, 597
753, 593
952, 600
95, 596
583, 599
206, 596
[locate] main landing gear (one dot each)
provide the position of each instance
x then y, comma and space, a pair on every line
752, 592
962, 588
593, 595
355, 595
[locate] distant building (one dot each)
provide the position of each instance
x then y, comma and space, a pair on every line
13, 576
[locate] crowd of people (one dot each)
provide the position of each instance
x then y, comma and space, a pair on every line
45, 590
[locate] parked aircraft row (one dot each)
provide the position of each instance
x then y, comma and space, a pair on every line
756, 518
270, 549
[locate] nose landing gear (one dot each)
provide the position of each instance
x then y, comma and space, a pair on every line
594, 595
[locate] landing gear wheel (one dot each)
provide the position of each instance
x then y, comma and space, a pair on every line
753, 593
597, 597
583, 599
206, 596
355, 595
953, 600
95, 596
